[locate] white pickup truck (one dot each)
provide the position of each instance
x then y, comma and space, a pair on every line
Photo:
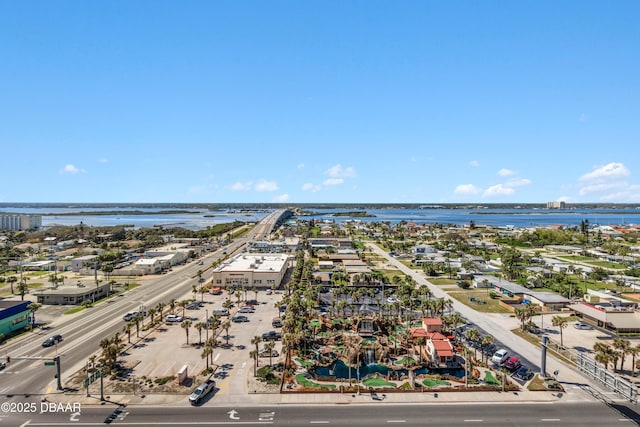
202, 390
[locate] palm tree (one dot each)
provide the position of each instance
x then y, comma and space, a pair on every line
603, 353
633, 351
199, 326
226, 325
485, 342
254, 355
206, 352
34, 306
561, 323
127, 330
269, 347
623, 346
137, 321
172, 305
182, 304
186, 325
473, 336
256, 340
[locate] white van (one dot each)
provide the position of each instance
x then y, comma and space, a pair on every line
220, 312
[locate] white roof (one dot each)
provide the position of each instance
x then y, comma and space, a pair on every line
255, 262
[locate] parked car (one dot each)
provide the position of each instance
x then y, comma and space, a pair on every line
200, 392
523, 373
133, 314
500, 356
269, 292
276, 322
246, 309
490, 349
252, 302
582, 325
239, 319
392, 299
193, 306
3, 365
512, 363
52, 341
265, 353
271, 336
173, 318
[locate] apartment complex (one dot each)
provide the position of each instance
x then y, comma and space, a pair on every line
19, 222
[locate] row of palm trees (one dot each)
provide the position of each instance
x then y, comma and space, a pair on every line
617, 351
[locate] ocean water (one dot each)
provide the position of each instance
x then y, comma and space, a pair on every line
201, 218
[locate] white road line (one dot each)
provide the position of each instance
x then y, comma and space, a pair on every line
473, 421
396, 421
215, 359
550, 419
318, 422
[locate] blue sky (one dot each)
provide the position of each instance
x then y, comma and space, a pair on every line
320, 101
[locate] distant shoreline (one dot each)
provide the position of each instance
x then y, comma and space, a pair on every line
122, 213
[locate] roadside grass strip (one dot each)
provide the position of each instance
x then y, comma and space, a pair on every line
303, 381
490, 379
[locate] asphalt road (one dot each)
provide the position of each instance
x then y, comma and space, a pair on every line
83, 332
574, 414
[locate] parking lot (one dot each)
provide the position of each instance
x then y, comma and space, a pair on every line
163, 352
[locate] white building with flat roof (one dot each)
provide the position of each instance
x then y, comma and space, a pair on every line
259, 270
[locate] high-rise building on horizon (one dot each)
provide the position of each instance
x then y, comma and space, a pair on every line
20, 222
556, 205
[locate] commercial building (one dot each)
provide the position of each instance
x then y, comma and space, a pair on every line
556, 205
73, 295
19, 222
14, 315
259, 270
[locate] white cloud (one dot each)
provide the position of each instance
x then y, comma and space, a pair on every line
466, 189
582, 117
333, 181
281, 198
413, 159
300, 165
242, 186
498, 190
598, 188
103, 160
608, 171
474, 163
337, 171
264, 185
311, 187
506, 172
69, 168
518, 182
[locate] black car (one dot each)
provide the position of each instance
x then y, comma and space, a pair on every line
271, 336
523, 374
239, 319
52, 340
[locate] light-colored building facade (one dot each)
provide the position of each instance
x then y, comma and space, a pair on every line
259, 270
19, 222
73, 296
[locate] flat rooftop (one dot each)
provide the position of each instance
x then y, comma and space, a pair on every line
255, 262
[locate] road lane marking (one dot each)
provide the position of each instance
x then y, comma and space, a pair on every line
318, 422
550, 419
473, 421
215, 359
396, 421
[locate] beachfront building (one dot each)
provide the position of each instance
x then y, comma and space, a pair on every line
259, 270
19, 222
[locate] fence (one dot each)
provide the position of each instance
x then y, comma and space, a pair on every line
615, 383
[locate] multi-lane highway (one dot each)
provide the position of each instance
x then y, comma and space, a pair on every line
83, 331
498, 414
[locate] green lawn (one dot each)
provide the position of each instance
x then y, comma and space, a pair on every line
304, 363
430, 382
442, 281
377, 382
303, 381
490, 379
486, 305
